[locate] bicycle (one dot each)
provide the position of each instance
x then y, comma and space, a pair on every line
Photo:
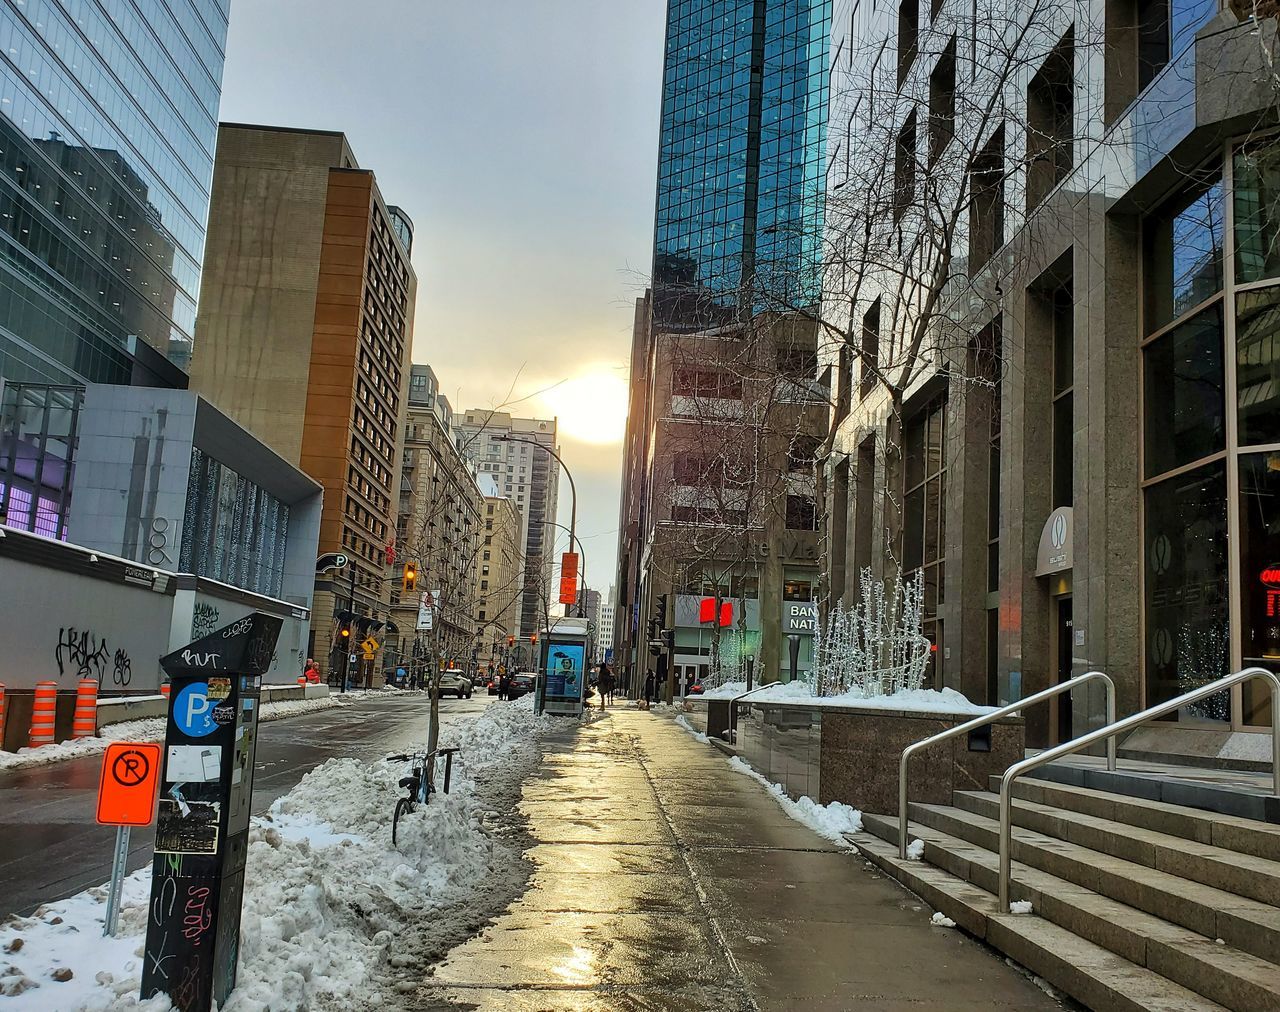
420, 784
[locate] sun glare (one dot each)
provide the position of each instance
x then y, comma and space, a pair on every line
591, 408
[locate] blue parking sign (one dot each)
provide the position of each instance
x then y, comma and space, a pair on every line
192, 709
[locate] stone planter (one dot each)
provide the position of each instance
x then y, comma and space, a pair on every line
861, 750
851, 755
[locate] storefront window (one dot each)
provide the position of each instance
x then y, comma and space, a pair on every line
1260, 578
1183, 394
1186, 588
1258, 366
1184, 254
1256, 182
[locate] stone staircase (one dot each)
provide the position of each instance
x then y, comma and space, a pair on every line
1136, 904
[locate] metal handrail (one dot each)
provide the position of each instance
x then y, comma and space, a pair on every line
1109, 733
733, 708
990, 718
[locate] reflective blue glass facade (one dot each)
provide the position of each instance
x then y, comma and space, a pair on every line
108, 121
740, 162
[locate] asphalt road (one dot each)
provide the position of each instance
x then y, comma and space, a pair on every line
51, 847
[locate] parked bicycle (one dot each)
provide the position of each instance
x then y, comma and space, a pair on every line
420, 783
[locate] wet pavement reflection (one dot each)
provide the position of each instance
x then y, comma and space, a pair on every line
664, 880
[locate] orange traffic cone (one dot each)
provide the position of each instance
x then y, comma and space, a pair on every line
85, 722
43, 713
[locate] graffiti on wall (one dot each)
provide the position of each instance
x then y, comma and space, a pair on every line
86, 655
204, 619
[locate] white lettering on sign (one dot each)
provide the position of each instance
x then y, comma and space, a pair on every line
197, 706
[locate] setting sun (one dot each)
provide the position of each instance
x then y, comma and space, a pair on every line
592, 407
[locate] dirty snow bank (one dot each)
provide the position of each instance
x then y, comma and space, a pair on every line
830, 821
327, 897
148, 729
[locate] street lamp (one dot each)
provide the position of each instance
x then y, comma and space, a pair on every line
573, 489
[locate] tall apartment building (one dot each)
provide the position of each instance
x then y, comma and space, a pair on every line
604, 634
498, 577
108, 122
715, 498
1090, 474
507, 449
438, 527
589, 603
303, 337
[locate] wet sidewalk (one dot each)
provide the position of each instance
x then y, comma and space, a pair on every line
665, 880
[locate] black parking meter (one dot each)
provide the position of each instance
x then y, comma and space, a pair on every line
197, 873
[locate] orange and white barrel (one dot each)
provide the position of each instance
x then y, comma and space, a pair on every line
85, 722
44, 712
164, 690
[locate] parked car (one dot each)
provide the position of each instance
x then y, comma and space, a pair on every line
455, 683
493, 685
520, 684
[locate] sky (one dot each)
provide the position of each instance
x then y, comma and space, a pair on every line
521, 138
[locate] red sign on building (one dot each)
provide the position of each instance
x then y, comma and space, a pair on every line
569, 578
707, 611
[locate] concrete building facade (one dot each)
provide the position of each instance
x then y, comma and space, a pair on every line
507, 449
303, 337
498, 579
438, 528
1088, 480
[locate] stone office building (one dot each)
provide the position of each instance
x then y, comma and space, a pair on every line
1092, 472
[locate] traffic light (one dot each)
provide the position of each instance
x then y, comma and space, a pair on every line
662, 609
533, 638
345, 632
655, 627
410, 581
511, 641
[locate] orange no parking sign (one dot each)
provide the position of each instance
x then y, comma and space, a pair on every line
130, 779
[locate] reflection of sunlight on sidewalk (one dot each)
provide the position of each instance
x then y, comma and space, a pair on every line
577, 969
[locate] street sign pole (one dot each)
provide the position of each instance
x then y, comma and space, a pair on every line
112, 920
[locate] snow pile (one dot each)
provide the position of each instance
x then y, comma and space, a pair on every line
683, 721
942, 920
726, 691
327, 897
915, 850
145, 729
914, 700
830, 821
1020, 907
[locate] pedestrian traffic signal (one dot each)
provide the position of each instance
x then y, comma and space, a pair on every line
410, 581
511, 641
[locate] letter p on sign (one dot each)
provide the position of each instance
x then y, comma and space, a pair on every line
130, 780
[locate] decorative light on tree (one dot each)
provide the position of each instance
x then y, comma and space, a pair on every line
876, 648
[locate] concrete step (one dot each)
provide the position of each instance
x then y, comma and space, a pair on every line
1242, 923
1242, 874
1089, 973
1222, 799
1230, 832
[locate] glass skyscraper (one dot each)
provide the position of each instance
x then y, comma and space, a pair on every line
108, 121
740, 162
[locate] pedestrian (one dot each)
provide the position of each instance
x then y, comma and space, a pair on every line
312, 671
649, 685
606, 685
504, 684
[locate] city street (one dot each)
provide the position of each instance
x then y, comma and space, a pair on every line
51, 847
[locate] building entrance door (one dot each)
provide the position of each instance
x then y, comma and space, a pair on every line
1065, 639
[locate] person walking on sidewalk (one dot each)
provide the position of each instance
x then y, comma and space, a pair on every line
604, 684
649, 683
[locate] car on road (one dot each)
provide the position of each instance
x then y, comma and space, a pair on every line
493, 685
520, 684
455, 683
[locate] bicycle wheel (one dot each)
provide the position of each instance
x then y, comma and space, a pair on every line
403, 807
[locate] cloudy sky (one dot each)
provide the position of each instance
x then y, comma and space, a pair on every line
521, 137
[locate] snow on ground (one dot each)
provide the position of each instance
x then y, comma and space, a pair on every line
915, 850
1020, 907
942, 920
328, 899
683, 721
830, 821
149, 729
915, 700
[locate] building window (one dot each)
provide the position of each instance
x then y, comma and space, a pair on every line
1165, 29
802, 452
904, 167
942, 102
1063, 402
1051, 121
1184, 401
870, 349
924, 520
1183, 252
986, 202
801, 513
908, 36
797, 590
